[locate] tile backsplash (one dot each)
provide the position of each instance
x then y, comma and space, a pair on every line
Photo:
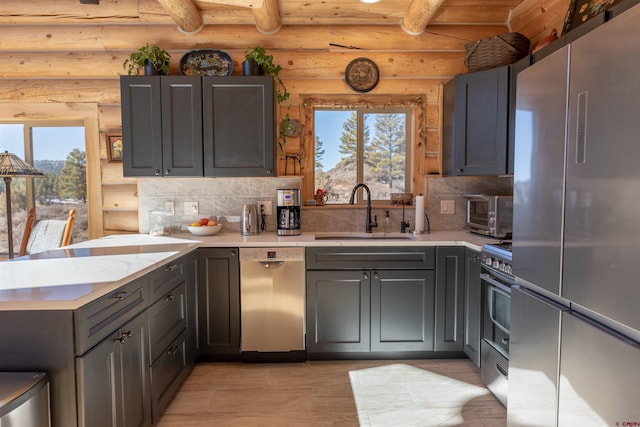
224, 197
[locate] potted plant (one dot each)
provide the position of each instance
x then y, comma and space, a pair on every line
151, 58
264, 65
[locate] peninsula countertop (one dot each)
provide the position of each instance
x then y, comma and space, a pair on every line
70, 277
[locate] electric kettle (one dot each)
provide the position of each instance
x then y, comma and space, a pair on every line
250, 220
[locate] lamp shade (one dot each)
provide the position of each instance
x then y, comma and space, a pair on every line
12, 165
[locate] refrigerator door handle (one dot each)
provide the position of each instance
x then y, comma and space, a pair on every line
581, 129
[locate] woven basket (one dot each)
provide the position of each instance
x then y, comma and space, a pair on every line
496, 51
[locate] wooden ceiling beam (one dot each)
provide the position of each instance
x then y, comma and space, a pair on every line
418, 15
184, 13
267, 17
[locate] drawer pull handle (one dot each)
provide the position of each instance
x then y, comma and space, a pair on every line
120, 296
170, 298
123, 336
171, 267
173, 350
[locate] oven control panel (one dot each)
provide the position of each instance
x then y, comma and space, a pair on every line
497, 259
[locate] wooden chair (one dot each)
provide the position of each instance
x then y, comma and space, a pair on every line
46, 234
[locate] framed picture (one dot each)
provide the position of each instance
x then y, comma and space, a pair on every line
114, 148
581, 11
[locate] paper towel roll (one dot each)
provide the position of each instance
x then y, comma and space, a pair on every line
419, 213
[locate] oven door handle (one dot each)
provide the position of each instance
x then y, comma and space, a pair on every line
489, 279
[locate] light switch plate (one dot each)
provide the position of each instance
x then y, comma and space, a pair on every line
191, 208
447, 207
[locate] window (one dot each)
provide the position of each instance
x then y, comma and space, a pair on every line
57, 150
370, 141
361, 145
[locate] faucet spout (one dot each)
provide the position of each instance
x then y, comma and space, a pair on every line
369, 224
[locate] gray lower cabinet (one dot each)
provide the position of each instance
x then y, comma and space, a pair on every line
472, 306
192, 287
402, 310
364, 300
338, 311
113, 381
115, 361
219, 302
450, 273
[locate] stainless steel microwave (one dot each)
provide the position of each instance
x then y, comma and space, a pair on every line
490, 215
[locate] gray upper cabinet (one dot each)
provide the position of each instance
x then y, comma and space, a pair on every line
161, 125
478, 137
238, 126
198, 126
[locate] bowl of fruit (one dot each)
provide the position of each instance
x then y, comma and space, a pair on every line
204, 227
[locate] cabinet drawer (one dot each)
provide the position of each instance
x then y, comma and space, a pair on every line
167, 374
98, 319
165, 278
359, 258
167, 318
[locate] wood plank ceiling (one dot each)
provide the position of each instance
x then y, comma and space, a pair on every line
412, 16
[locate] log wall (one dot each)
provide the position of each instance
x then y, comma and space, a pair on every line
62, 53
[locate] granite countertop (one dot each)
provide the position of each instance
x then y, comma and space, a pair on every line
68, 278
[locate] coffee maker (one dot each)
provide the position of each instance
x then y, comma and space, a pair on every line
288, 212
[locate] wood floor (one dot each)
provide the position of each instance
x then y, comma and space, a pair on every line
313, 393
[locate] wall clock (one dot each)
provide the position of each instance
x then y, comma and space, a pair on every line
362, 74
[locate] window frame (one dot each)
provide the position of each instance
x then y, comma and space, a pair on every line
85, 112
414, 105
27, 140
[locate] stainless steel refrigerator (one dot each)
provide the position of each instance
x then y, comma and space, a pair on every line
575, 319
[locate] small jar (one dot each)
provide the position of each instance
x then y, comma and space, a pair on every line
159, 223
386, 222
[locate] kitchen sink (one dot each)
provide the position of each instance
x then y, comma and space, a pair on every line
363, 236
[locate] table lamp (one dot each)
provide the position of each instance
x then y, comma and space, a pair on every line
13, 166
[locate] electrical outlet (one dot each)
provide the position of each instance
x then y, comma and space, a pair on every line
170, 206
447, 207
191, 208
265, 207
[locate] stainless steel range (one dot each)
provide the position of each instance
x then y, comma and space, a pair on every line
496, 280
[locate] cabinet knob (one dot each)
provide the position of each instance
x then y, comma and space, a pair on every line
460, 170
376, 276
156, 172
233, 253
167, 171
366, 276
170, 298
171, 267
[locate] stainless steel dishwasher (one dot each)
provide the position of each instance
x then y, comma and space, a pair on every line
272, 305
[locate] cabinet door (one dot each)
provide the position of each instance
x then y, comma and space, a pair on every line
219, 301
141, 125
192, 286
480, 122
338, 311
472, 306
402, 307
182, 126
449, 298
238, 126
135, 392
113, 382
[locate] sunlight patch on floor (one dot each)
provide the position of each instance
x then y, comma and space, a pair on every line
400, 394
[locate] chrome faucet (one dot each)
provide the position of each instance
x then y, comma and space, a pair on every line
370, 223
